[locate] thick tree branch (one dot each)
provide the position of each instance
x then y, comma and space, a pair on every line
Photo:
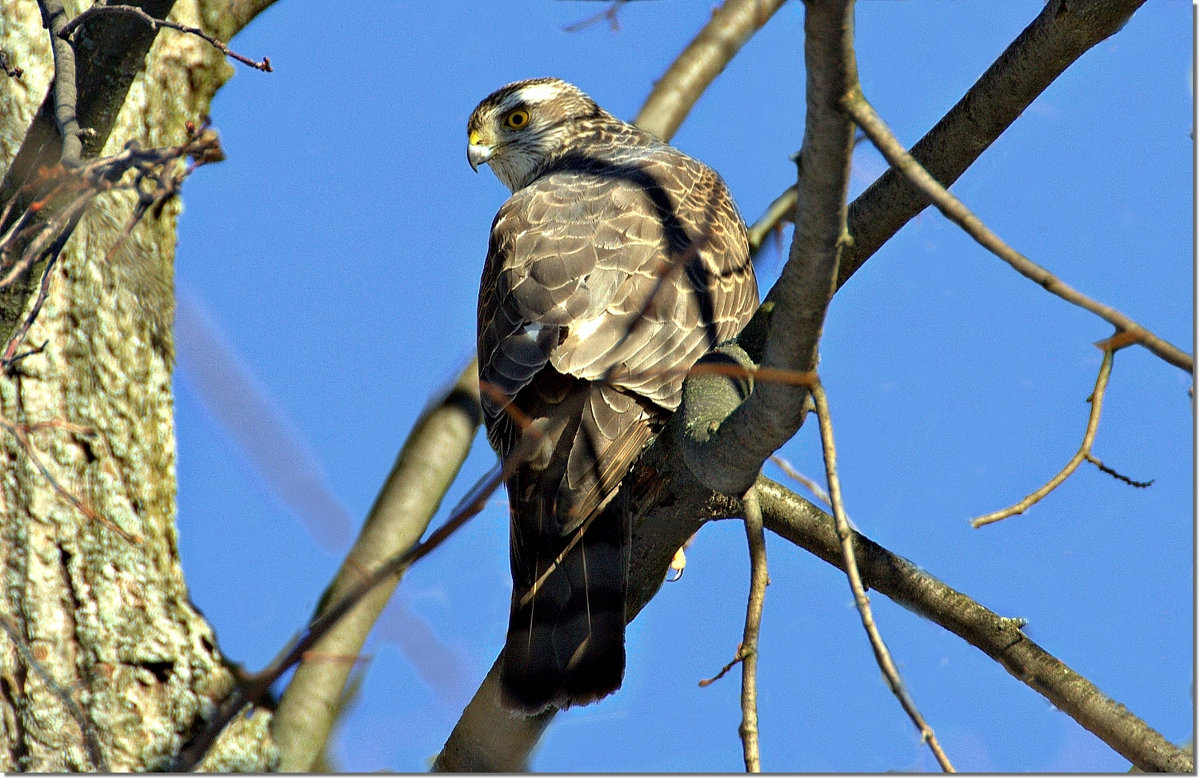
774, 411
424, 470
1060, 34
488, 737
1000, 638
97, 55
255, 687
671, 506
730, 27
110, 621
54, 17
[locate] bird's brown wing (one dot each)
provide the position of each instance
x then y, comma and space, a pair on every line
622, 274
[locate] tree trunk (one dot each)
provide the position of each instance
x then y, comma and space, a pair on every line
104, 662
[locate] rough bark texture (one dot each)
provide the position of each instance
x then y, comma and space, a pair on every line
104, 662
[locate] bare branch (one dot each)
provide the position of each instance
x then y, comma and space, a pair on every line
1085, 450
1115, 474
255, 688
1000, 638
808, 483
748, 730
10, 356
54, 17
1058, 36
487, 737
954, 209
102, 80
677, 502
138, 13
424, 469
737, 658
669, 509
729, 459
779, 211
702, 61
32, 238
850, 565
37, 236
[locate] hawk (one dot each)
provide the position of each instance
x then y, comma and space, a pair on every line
616, 264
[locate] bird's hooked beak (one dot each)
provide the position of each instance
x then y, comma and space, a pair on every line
478, 152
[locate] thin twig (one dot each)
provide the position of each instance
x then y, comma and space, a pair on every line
1060, 34
1000, 638
86, 726
257, 685
21, 433
10, 350
779, 211
877, 130
846, 536
728, 459
486, 736
738, 657
749, 650
46, 234
811, 485
1116, 474
16, 358
1085, 449
609, 13
68, 191
131, 10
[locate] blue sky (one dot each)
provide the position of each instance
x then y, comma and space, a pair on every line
334, 259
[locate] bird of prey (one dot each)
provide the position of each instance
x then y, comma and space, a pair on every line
616, 264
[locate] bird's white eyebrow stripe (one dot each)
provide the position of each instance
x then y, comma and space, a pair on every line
532, 93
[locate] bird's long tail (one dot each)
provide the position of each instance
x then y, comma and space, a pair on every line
566, 630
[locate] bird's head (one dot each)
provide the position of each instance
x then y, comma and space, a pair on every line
520, 127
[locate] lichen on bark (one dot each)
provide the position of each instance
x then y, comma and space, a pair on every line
104, 663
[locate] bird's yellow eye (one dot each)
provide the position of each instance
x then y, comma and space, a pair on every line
517, 119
